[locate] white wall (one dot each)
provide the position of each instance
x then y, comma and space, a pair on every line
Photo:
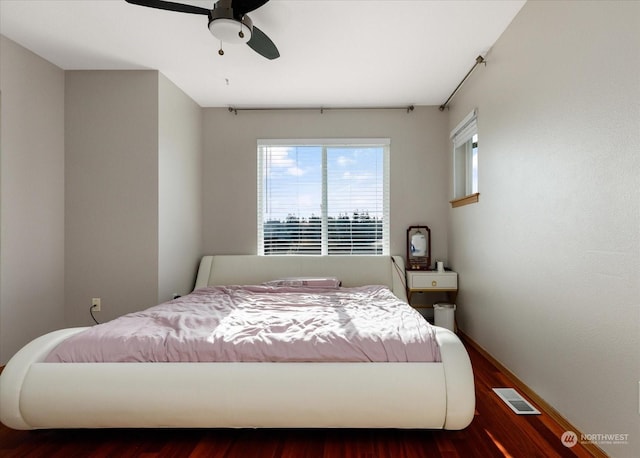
111, 186
31, 197
549, 259
419, 142
179, 192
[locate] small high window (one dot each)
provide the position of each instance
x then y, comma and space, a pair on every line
465, 161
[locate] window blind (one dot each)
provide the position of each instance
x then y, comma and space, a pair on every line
323, 197
465, 156
464, 131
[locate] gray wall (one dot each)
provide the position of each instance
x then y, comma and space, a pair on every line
111, 185
549, 259
133, 191
31, 197
179, 191
419, 186
101, 194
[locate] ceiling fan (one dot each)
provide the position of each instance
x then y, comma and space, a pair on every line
228, 21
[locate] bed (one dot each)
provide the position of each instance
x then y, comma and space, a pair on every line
426, 395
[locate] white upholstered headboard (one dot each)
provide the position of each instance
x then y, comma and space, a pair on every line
351, 270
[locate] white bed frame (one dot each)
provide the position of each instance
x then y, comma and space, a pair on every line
35, 395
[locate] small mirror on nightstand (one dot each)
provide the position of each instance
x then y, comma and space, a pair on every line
418, 248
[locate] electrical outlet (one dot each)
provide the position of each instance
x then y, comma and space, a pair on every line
95, 304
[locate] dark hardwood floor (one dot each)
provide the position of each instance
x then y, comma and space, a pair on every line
495, 432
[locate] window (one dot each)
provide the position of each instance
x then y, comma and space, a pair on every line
465, 160
323, 197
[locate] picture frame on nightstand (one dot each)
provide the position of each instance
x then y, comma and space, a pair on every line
418, 248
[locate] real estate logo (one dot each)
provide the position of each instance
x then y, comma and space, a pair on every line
569, 439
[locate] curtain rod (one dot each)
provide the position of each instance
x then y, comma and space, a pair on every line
235, 110
479, 60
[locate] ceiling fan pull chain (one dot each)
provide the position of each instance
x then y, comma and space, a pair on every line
241, 33
221, 51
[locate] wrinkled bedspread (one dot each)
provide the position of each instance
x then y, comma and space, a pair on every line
262, 324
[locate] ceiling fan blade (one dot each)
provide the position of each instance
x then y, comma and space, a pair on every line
170, 6
242, 7
262, 44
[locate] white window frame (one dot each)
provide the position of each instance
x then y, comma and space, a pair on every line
325, 143
465, 171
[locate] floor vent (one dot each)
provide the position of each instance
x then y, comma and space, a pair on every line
516, 402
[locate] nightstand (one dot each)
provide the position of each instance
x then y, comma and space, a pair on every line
431, 281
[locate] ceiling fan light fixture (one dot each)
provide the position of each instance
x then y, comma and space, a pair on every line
230, 30
228, 22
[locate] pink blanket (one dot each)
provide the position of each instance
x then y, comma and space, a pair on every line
262, 323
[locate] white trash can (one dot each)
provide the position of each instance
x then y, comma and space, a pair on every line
444, 315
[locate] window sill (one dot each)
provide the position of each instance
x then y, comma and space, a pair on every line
466, 200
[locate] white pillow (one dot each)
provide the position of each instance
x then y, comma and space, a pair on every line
314, 282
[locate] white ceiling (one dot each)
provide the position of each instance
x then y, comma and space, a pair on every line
349, 53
